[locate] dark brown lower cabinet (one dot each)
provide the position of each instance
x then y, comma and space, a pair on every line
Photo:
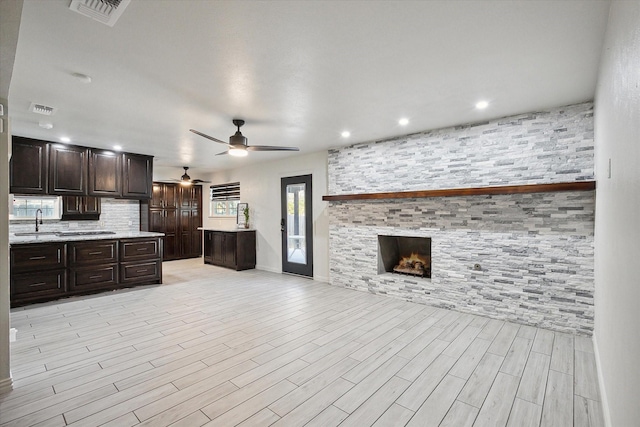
141, 260
38, 271
231, 249
93, 265
46, 271
41, 285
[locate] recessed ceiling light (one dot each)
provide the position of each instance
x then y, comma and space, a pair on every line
345, 134
482, 105
65, 139
117, 147
403, 121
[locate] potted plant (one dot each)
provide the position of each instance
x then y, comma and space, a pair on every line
245, 211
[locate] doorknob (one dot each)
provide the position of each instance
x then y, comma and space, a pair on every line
282, 225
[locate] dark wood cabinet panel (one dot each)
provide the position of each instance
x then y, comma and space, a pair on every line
78, 208
45, 271
170, 211
29, 166
93, 252
42, 167
208, 248
93, 277
148, 271
33, 257
105, 173
137, 176
164, 196
38, 271
38, 285
139, 249
232, 249
166, 221
190, 196
93, 265
68, 170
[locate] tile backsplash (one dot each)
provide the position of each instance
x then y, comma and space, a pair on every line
116, 216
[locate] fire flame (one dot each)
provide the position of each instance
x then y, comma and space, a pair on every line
413, 258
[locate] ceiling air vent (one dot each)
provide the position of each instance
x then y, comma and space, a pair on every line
105, 11
45, 110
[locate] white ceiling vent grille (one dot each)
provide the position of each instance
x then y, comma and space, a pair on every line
45, 110
105, 11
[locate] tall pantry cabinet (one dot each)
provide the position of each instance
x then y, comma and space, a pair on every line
176, 211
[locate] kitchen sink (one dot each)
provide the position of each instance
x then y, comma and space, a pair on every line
36, 233
84, 233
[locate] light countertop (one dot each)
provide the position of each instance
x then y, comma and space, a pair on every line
228, 230
47, 238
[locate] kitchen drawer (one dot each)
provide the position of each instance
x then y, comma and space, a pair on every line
93, 252
38, 257
149, 271
140, 249
36, 285
95, 277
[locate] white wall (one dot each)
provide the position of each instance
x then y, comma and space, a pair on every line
617, 225
10, 12
260, 187
5, 152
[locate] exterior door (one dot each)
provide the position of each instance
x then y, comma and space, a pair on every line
297, 225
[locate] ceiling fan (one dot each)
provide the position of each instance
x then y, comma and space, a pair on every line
238, 146
186, 179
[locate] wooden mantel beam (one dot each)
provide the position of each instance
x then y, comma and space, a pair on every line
478, 191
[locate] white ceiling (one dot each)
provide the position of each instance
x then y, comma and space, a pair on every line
298, 72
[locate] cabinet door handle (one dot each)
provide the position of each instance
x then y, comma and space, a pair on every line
95, 253
37, 257
142, 249
95, 277
37, 284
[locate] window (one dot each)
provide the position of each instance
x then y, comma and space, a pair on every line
25, 207
224, 199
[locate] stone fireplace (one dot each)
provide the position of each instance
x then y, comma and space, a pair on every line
526, 258
404, 255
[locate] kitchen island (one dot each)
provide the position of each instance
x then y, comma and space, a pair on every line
46, 266
235, 248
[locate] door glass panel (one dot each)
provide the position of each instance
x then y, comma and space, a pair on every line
296, 239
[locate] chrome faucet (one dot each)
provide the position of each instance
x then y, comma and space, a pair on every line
37, 228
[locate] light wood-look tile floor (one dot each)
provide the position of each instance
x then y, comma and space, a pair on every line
217, 347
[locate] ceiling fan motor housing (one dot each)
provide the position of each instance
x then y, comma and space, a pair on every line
238, 139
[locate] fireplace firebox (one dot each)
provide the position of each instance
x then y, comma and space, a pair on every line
404, 255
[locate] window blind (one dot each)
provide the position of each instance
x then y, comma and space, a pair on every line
230, 191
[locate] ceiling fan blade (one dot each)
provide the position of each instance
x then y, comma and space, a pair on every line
222, 154
270, 148
204, 135
198, 181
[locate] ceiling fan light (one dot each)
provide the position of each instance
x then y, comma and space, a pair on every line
238, 152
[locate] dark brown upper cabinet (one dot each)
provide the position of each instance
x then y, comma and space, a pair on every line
105, 173
68, 170
29, 166
164, 196
41, 167
137, 176
79, 208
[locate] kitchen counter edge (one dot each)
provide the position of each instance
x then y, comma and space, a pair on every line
51, 238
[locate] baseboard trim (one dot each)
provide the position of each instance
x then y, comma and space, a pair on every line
603, 393
269, 269
6, 385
